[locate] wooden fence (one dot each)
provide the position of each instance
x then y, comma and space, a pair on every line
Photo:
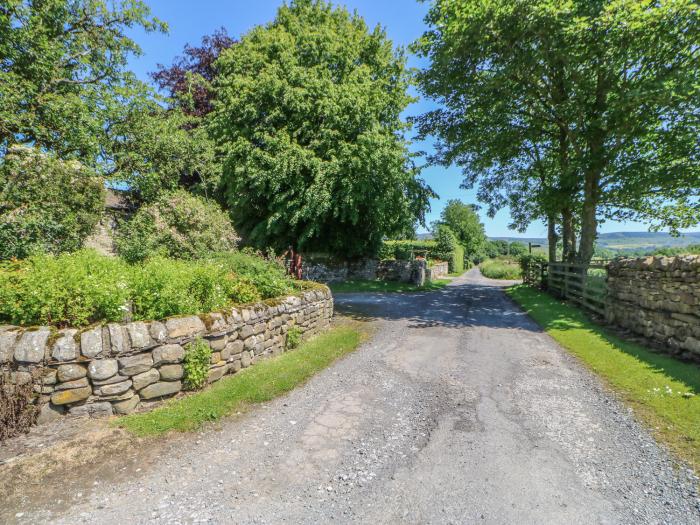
584, 285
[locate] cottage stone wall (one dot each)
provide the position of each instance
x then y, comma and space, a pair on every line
365, 269
118, 367
659, 298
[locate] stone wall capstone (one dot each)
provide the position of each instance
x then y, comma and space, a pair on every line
114, 368
659, 298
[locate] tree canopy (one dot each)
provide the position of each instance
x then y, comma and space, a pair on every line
63, 76
308, 118
574, 112
463, 220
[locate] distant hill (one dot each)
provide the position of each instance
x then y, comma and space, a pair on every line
627, 240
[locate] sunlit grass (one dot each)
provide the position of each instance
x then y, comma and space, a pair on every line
264, 381
501, 268
664, 392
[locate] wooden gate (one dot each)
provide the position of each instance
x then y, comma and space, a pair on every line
584, 285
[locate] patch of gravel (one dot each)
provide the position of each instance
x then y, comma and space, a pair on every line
459, 410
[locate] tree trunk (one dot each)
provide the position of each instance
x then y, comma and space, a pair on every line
552, 237
568, 236
589, 220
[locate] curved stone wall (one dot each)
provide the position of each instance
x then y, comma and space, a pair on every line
116, 367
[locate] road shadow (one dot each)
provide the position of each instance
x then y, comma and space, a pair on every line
456, 306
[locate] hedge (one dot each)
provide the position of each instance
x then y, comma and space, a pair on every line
84, 287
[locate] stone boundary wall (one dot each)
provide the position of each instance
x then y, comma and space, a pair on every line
659, 298
365, 269
118, 367
437, 271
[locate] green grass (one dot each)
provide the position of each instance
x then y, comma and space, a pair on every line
662, 391
264, 381
501, 268
386, 286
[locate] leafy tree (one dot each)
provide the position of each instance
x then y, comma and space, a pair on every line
308, 115
589, 109
464, 222
188, 81
63, 77
46, 205
156, 150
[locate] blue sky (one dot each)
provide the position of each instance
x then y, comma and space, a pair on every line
403, 20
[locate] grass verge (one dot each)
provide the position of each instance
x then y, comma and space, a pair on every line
661, 390
501, 268
264, 381
386, 286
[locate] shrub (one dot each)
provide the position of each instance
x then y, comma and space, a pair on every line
501, 268
196, 364
178, 225
84, 287
18, 412
162, 287
447, 248
66, 290
46, 205
293, 337
404, 250
268, 276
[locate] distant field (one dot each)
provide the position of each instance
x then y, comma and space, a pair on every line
627, 241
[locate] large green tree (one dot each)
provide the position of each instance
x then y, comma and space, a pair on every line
585, 110
464, 222
308, 116
63, 75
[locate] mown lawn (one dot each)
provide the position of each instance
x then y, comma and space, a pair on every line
386, 286
501, 268
257, 384
663, 392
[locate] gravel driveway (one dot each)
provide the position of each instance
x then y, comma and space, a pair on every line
459, 410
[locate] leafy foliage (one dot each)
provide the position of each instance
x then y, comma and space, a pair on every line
308, 115
196, 364
293, 337
189, 80
178, 225
66, 290
46, 205
464, 222
83, 287
405, 250
501, 268
63, 81
589, 109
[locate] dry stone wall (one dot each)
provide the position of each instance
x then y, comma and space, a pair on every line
659, 298
117, 367
365, 269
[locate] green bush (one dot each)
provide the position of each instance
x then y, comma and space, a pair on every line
178, 225
457, 261
293, 338
65, 290
196, 364
268, 276
46, 205
83, 287
403, 250
501, 268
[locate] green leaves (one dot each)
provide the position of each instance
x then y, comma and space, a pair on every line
46, 205
307, 117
